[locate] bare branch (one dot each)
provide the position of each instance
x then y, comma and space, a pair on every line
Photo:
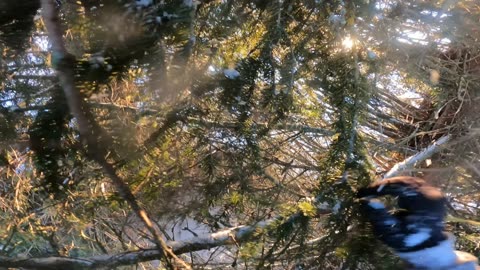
230, 236
89, 130
412, 160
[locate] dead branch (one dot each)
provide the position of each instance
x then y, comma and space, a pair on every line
419, 157
230, 236
89, 130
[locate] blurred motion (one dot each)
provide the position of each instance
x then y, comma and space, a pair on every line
237, 133
415, 230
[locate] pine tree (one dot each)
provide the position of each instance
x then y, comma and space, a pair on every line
253, 121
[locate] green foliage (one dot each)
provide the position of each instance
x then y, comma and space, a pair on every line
15, 26
307, 209
47, 136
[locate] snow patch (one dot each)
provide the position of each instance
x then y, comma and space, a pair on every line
144, 3
337, 20
323, 206
231, 73
336, 208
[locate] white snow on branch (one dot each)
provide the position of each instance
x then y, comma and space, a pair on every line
231, 73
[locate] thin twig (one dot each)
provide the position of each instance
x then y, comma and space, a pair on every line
88, 129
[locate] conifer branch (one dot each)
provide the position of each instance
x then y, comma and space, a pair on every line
231, 236
89, 133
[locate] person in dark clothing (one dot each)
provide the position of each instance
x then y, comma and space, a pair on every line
416, 230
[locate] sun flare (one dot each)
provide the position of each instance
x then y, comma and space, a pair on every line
348, 42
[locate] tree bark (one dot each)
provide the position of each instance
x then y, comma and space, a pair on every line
88, 129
